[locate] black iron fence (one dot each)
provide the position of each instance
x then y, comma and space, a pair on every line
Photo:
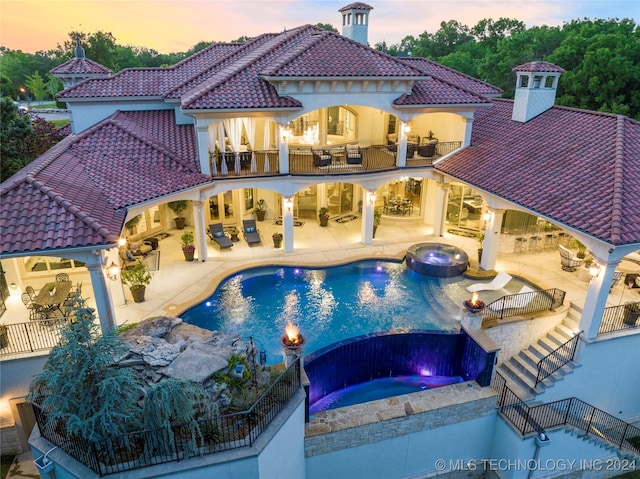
244, 163
159, 446
565, 412
619, 318
36, 335
522, 303
557, 358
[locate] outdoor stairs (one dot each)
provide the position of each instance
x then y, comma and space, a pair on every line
602, 443
521, 370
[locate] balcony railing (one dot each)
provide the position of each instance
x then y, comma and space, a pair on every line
36, 335
566, 412
522, 303
158, 446
557, 358
267, 162
618, 318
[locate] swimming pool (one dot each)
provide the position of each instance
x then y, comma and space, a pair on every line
332, 304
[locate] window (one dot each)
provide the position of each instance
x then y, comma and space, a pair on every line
43, 264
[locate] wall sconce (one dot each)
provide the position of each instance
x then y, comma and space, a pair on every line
486, 216
406, 128
13, 286
594, 270
288, 203
285, 133
122, 241
372, 198
112, 271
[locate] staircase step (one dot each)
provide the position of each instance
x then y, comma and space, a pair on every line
556, 338
531, 357
564, 331
571, 324
546, 345
520, 389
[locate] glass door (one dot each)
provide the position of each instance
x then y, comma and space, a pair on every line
222, 208
339, 198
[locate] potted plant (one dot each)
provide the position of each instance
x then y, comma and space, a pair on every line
277, 240
132, 224
480, 239
631, 312
377, 217
187, 245
137, 278
4, 336
260, 210
582, 250
324, 216
178, 207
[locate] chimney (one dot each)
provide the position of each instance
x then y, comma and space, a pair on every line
355, 21
536, 86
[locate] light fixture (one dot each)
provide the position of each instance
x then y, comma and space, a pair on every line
122, 241
288, 203
406, 128
285, 133
486, 216
594, 270
112, 271
372, 198
13, 286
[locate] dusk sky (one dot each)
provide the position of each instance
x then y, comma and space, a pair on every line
177, 25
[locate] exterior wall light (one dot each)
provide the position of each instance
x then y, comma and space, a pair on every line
112, 271
288, 203
594, 270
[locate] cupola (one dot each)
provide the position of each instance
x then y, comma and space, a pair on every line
355, 21
536, 86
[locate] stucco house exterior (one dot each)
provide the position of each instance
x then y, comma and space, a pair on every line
309, 119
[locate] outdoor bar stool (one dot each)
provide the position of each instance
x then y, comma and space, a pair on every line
521, 245
550, 240
563, 238
535, 243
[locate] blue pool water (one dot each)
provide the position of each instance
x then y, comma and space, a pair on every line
380, 389
332, 304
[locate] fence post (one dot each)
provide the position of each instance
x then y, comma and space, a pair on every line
626, 427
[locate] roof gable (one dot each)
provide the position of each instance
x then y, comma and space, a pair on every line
557, 166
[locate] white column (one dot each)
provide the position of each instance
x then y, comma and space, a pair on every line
284, 149
203, 149
287, 224
101, 294
491, 240
368, 206
596, 300
467, 131
200, 230
401, 154
442, 197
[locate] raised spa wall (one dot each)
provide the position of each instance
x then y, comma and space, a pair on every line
397, 353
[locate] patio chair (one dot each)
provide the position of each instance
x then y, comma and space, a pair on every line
35, 311
499, 282
217, 234
520, 300
31, 292
568, 260
251, 233
353, 154
321, 157
62, 277
617, 276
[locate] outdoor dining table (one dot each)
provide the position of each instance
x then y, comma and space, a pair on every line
50, 301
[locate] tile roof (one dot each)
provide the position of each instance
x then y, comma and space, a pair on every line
356, 6
77, 193
538, 67
453, 77
579, 168
438, 92
79, 66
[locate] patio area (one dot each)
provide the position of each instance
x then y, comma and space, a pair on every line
179, 284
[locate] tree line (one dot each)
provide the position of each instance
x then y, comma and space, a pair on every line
601, 58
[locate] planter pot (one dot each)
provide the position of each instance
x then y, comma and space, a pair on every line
479, 255
324, 221
260, 215
630, 317
277, 241
180, 222
374, 231
138, 294
4, 338
188, 254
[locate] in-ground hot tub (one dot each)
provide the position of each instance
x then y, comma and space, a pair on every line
438, 260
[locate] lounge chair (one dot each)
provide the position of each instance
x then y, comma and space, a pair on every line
569, 262
217, 234
617, 276
250, 231
499, 282
520, 300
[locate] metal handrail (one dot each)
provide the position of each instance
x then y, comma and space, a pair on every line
557, 358
614, 318
522, 303
28, 337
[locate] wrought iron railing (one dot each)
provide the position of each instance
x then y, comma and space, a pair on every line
522, 303
245, 163
618, 318
159, 446
36, 335
565, 412
557, 358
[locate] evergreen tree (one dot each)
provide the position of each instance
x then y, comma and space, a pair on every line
82, 385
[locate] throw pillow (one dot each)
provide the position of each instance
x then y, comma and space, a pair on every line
251, 230
218, 234
130, 256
